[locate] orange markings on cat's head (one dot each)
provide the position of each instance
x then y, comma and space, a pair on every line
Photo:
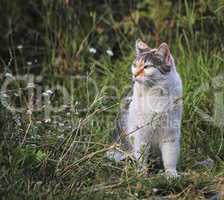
140, 68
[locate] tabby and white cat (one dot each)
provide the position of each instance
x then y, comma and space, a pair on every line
150, 119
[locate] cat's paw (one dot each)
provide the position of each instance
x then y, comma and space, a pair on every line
115, 155
172, 174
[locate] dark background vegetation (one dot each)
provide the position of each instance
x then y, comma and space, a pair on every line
63, 158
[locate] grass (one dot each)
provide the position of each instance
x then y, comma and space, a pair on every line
48, 154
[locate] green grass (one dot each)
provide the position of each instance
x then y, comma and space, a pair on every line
64, 158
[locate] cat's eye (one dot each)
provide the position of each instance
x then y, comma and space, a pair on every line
158, 62
148, 66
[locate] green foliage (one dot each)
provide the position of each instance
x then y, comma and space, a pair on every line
63, 158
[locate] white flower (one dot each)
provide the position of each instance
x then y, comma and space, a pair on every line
47, 120
45, 94
109, 52
8, 75
4, 95
92, 50
49, 92
155, 190
29, 63
61, 124
20, 46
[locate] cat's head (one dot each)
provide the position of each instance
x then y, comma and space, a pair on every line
151, 65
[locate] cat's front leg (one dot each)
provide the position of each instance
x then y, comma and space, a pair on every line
140, 150
170, 152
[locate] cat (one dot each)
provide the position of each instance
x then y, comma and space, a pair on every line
150, 119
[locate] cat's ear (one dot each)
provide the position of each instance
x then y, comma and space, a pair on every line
164, 52
140, 46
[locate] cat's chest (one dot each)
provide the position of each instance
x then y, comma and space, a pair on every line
141, 112
148, 103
